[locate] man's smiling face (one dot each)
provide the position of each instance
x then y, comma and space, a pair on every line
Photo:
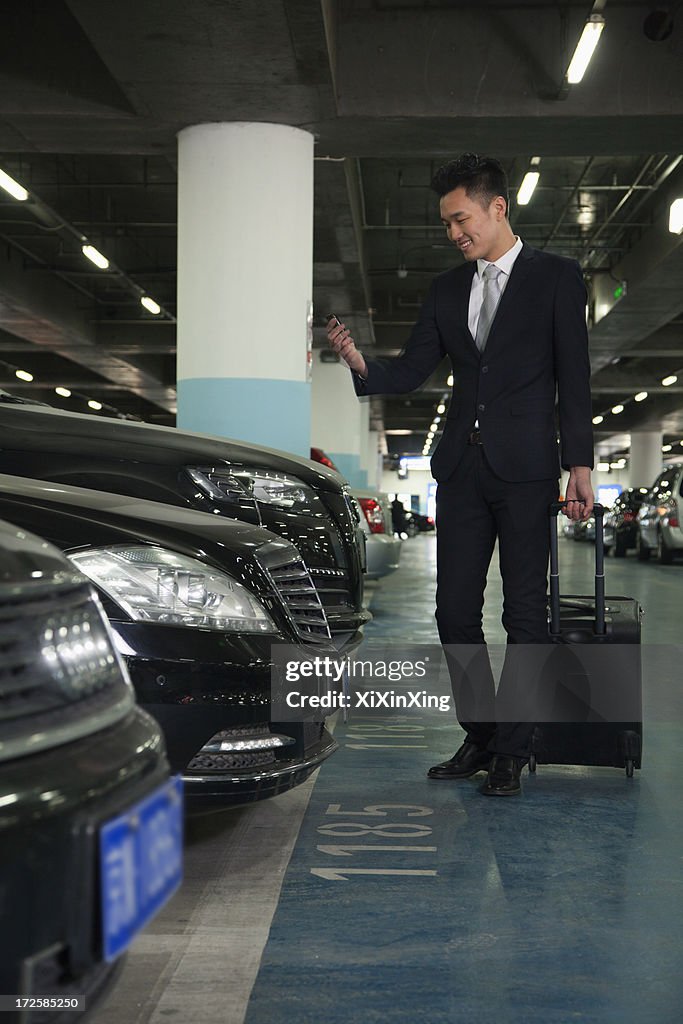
479, 232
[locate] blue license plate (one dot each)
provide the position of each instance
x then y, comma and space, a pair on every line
141, 863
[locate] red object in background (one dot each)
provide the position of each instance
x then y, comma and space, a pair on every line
373, 514
318, 455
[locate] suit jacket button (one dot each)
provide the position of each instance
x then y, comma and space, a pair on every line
481, 408
484, 369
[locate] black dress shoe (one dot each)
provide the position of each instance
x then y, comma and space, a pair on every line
469, 760
504, 774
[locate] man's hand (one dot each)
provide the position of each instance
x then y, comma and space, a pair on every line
579, 494
343, 344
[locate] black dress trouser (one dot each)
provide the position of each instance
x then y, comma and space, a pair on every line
473, 508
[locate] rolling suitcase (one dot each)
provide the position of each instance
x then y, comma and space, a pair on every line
590, 703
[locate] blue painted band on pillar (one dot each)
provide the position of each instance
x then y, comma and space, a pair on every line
348, 465
275, 413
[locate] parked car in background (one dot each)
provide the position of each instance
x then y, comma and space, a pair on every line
196, 602
621, 521
304, 503
423, 524
90, 823
408, 522
582, 529
383, 548
318, 455
566, 526
660, 518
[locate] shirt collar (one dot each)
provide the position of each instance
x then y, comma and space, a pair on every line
506, 261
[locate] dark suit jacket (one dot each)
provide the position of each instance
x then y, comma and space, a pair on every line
537, 349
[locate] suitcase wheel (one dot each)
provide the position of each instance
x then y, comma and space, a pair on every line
532, 763
629, 767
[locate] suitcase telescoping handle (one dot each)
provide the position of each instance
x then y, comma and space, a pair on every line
598, 512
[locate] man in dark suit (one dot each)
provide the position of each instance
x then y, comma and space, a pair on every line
512, 321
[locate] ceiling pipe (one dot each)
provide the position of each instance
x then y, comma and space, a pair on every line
354, 185
563, 213
587, 251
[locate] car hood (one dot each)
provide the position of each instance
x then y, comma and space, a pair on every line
75, 517
52, 429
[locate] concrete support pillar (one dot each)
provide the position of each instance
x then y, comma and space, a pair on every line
364, 441
372, 462
646, 457
336, 418
245, 281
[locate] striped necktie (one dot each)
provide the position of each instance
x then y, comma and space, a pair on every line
492, 289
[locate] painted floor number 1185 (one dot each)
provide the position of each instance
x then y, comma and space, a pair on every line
373, 831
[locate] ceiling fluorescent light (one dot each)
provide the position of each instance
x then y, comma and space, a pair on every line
585, 48
94, 405
526, 189
669, 380
676, 217
598, 419
16, 190
95, 256
641, 396
667, 447
23, 375
617, 409
64, 392
150, 305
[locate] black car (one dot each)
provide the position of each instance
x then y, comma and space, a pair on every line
80, 767
299, 500
424, 524
196, 602
621, 521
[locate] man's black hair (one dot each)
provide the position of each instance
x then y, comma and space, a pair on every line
482, 177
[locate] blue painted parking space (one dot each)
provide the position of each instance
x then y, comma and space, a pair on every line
563, 905
415, 900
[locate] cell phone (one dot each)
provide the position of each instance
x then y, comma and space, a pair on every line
332, 316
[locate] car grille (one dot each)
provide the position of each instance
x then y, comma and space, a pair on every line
60, 677
293, 583
333, 590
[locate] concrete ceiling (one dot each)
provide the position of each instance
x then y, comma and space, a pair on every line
93, 92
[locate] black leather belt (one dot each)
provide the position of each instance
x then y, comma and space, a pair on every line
474, 437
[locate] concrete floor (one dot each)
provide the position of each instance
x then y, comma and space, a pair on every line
372, 894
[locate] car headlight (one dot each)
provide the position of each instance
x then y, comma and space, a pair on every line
260, 485
152, 584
